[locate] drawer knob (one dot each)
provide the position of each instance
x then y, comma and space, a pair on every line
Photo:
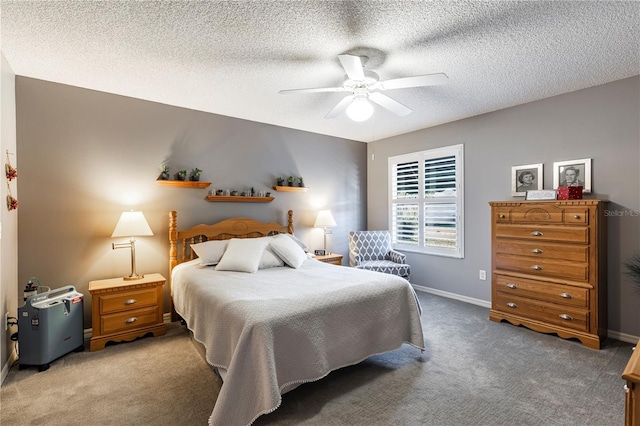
512, 305
537, 234
537, 267
566, 317
512, 286
501, 216
566, 295
130, 301
131, 320
576, 216
537, 251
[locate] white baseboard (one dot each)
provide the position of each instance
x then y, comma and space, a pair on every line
5, 368
610, 333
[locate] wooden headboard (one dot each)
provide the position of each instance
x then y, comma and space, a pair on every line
180, 241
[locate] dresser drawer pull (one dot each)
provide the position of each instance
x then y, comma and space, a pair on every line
130, 301
537, 267
512, 305
566, 295
575, 216
566, 317
536, 251
131, 320
501, 216
537, 234
512, 286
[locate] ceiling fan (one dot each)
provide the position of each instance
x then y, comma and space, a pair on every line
366, 86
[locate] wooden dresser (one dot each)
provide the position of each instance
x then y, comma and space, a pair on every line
632, 389
549, 267
123, 310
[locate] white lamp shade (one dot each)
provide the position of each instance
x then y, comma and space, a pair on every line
324, 219
360, 109
132, 224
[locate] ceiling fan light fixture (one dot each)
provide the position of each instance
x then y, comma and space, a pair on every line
360, 109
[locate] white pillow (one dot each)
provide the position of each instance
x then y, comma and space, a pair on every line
210, 252
302, 245
288, 250
242, 255
269, 259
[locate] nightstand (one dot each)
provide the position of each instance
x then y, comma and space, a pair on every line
333, 258
123, 310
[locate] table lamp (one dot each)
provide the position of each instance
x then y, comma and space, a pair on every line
325, 220
131, 224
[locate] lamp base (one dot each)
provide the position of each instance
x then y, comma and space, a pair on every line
133, 278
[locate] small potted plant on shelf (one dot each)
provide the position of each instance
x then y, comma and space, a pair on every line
195, 175
290, 180
164, 172
181, 175
301, 182
280, 181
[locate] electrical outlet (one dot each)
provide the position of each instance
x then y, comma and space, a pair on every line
482, 275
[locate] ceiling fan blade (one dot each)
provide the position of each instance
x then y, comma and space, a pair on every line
416, 81
314, 90
340, 108
390, 104
353, 66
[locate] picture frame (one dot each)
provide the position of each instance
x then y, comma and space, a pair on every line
526, 178
578, 172
545, 194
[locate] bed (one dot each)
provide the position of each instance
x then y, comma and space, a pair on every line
289, 320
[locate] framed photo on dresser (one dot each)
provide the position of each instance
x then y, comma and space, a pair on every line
526, 178
573, 173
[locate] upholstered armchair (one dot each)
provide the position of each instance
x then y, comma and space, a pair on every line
372, 250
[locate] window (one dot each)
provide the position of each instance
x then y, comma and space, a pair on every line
425, 201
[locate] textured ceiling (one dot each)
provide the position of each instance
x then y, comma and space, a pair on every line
232, 58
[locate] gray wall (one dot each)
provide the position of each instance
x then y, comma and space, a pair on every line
602, 123
86, 156
8, 219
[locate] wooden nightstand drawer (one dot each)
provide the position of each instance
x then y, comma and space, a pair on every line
126, 301
130, 320
334, 259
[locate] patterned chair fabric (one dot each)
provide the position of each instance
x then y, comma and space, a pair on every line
372, 250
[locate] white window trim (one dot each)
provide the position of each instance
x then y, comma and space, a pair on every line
454, 150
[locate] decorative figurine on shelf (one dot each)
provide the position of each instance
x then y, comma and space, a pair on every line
164, 172
280, 181
301, 182
181, 175
290, 180
195, 175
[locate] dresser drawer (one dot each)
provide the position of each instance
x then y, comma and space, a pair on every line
129, 320
565, 316
123, 301
554, 293
542, 268
576, 216
544, 233
543, 250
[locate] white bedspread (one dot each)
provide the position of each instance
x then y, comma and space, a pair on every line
284, 326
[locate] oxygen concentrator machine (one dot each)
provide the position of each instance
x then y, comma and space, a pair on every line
50, 325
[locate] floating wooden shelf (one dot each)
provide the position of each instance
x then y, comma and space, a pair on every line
291, 188
183, 183
238, 199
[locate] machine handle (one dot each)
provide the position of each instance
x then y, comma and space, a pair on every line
131, 320
130, 301
566, 295
512, 305
537, 234
511, 286
566, 317
537, 267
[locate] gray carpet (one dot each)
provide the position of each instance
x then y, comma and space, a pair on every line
474, 372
